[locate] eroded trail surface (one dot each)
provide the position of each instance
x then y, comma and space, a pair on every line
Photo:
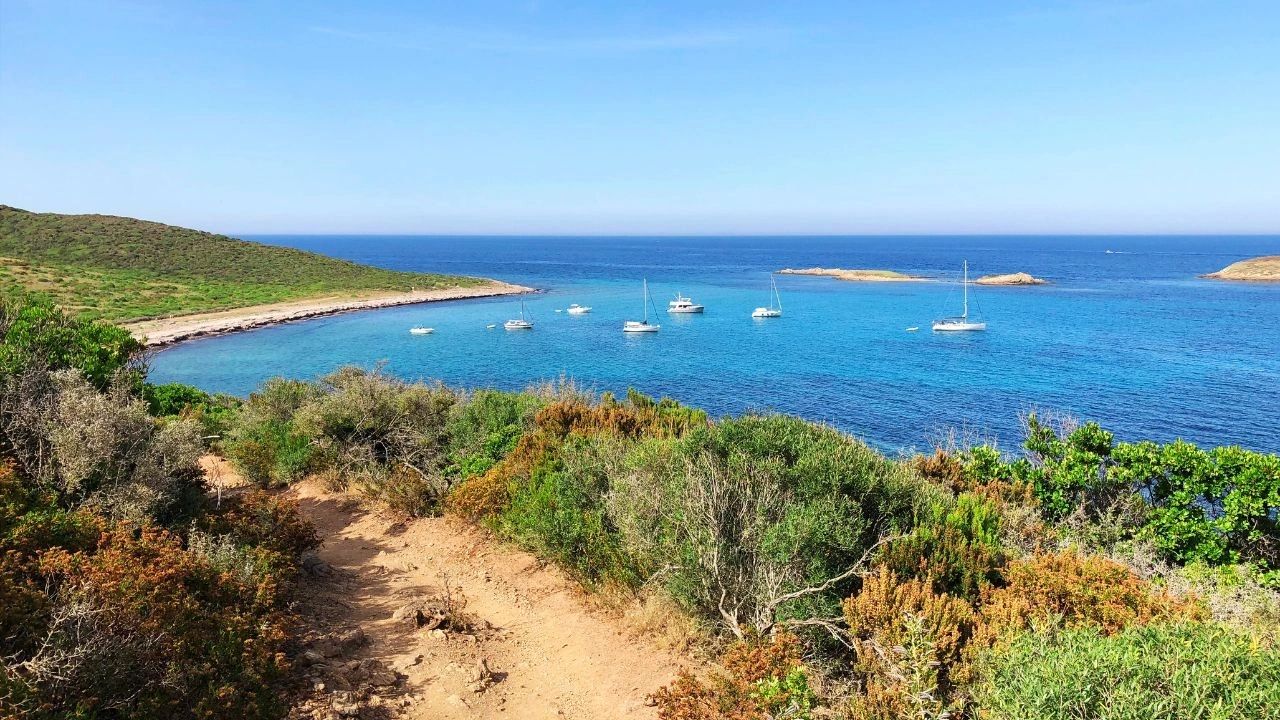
429, 618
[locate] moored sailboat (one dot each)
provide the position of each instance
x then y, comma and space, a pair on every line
642, 326
962, 322
774, 310
521, 324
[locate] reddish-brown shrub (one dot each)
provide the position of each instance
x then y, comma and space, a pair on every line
645, 419
753, 685
1078, 590
263, 520
891, 612
141, 613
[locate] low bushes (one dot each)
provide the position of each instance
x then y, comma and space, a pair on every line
1157, 672
762, 680
123, 592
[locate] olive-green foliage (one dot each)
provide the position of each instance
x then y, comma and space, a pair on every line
118, 268
957, 547
485, 427
751, 508
1156, 672
560, 512
34, 331
262, 440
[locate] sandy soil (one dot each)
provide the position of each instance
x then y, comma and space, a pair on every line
855, 275
165, 331
547, 655
1010, 279
1259, 269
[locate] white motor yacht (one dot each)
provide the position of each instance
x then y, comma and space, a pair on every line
683, 304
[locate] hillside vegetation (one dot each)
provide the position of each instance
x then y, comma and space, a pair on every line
120, 269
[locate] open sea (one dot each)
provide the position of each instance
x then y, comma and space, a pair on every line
1125, 334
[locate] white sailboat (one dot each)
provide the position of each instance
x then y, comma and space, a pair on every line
642, 326
421, 331
521, 324
962, 322
773, 311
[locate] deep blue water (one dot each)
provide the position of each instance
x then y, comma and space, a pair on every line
1131, 338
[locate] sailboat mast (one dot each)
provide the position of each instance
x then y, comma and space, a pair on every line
966, 290
774, 283
646, 301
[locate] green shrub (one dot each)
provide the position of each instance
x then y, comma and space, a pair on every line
485, 428
754, 508
1157, 672
559, 511
270, 453
1218, 506
957, 548
33, 329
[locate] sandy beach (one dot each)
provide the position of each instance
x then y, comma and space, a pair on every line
166, 331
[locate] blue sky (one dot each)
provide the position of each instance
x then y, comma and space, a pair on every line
666, 117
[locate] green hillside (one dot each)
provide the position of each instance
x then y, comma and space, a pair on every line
120, 269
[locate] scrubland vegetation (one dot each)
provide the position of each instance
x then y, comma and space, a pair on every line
1078, 577
124, 590
1073, 579
118, 269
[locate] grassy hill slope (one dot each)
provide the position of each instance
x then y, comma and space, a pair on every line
119, 269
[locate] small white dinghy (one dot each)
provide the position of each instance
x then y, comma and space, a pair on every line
421, 331
643, 326
576, 309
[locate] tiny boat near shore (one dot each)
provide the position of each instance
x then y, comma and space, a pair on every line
421, 331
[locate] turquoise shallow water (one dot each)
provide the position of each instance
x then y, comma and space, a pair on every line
1129, 337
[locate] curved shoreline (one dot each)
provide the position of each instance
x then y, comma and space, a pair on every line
169, 331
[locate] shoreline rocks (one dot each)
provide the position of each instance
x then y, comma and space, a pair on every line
855, 275
1011, 279
1259, 269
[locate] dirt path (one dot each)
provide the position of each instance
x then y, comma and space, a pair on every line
547, 655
